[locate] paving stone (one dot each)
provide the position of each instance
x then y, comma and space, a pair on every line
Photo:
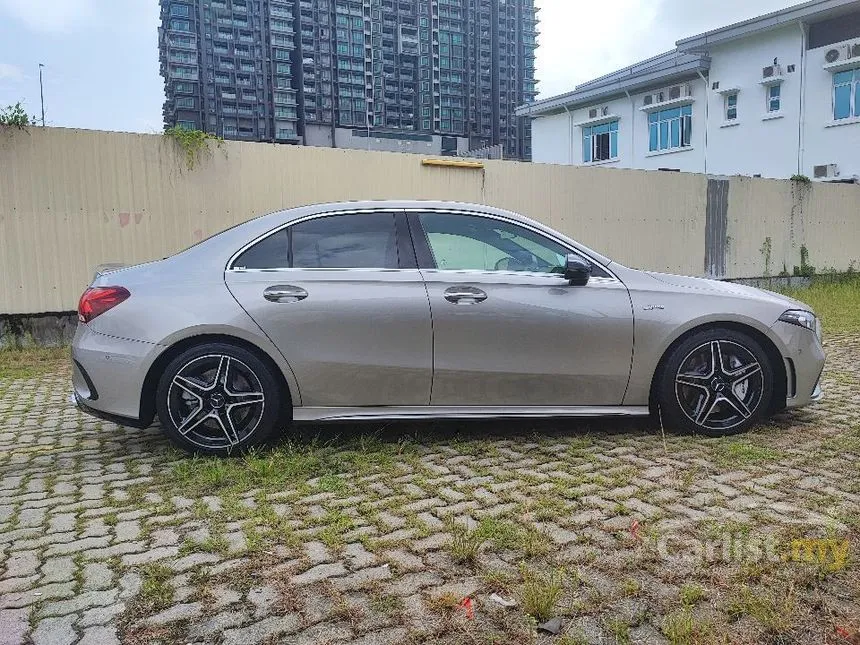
174, 614
99, 636
37, 594
319, 573
97, 576
153, 555
14, 625
100, 615
318, 552
358, 557
79, 603
361, 578
403, 560
54, 631
267, 628
77, 545
224, 596
217, 624
194, 560
21, 563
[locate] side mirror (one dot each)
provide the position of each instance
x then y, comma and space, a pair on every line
577, 271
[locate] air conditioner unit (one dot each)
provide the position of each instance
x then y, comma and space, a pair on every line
842, 53
826, 171
771, 70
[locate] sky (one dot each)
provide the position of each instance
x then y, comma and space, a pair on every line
101, 56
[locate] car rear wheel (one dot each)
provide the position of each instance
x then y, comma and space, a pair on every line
716, 382
218, 399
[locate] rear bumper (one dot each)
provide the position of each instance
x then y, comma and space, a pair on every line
108, 375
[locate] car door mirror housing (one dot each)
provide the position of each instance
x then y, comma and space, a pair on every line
577, 270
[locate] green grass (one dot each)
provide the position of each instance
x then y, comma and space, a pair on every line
742, 451
156, 592
541, 592
32, 362
837, 303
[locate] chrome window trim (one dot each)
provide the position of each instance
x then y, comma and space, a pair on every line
412, 209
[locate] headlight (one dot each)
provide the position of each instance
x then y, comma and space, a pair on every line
803, 319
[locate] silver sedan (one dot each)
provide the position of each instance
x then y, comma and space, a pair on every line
416, 310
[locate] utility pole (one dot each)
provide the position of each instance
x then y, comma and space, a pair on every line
42, 93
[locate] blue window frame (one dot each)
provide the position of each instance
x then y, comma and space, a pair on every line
670, 129
180, 25
600, 142
180, 10
774, 95
846, 94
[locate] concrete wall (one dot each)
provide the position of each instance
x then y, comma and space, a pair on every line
71, 200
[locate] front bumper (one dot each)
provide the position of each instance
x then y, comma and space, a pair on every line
804, 362
108, 374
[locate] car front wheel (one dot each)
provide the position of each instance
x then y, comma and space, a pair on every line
218, 399
716, 382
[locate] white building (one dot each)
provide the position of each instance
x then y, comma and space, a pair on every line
775, 96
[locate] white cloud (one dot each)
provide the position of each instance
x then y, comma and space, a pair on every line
581, 39
11, 72
52, 16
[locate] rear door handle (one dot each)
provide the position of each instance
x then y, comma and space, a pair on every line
284, 293
465, 295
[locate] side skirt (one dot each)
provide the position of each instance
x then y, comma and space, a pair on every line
305, 414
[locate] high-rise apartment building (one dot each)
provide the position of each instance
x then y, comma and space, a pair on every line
440, 76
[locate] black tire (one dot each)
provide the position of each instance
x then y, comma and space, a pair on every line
204, 414
728, 399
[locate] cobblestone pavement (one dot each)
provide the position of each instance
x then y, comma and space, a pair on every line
376, 535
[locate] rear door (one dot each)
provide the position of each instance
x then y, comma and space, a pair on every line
508, 329
342, 298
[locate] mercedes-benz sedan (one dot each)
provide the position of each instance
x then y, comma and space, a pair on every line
416, 310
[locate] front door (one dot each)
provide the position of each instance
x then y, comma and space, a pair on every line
343, 300
508, 329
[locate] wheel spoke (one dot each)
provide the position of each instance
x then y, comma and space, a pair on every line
191, 386
238, 399
743, 373
716, 358
193, 420
226, 423
706, 408
692, 380
223, 374
735, 401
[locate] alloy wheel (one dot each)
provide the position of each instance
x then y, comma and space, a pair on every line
216, 401
719, 385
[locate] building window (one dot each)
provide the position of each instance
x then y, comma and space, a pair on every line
731, 106
186, 125
600, 142
773, 97
846, 94
180, 25
185, 102
180, 10
670, 129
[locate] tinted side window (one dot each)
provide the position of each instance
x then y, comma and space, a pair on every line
478, 243
268, 253
345, 242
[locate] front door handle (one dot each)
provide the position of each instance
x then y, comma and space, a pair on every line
465, 295
284, 293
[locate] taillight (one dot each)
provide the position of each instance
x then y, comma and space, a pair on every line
97, 300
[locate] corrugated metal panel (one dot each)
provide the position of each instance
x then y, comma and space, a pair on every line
71, 200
